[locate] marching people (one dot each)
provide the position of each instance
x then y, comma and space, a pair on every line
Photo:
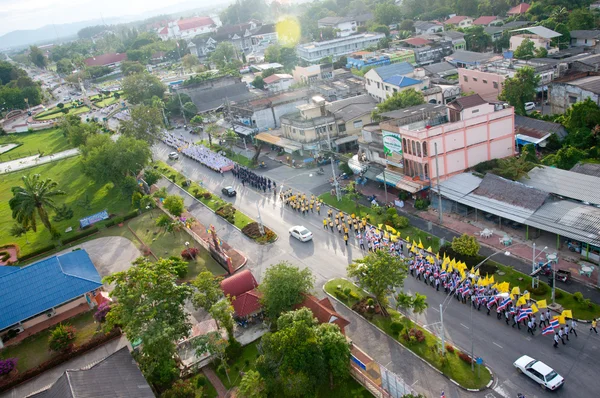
594, 323
573, 327
561, 334
556, 340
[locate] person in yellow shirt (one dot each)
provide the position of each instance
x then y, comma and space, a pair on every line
346, 239
324, 223
318, 209
331, 224
345, 229
329, 212
311, 208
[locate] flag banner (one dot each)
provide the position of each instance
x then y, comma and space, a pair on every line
548, 330
554, 323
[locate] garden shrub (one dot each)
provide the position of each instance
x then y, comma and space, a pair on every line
80, 235
396, 327
341, 295
558, 294
206, 195
200, 381
541, 290
466, 245
130, 215
227, 212
180, 389
101, 312
421, 204
416, 335
174, 204
179, 267
578, 297
449, 348
347, 291
61, 338
465, 357
233, 350
37, 252
401, 222
353, 295
7, 365
190, 253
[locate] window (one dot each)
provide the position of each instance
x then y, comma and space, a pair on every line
572, 99
484, 81
342, 128
377, 84
475, 111
474, 79
414, 149
358, 124
395, 90
465, 78
424, 149
301, 132
495, 84
418, 149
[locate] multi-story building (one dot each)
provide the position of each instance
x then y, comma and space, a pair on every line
425, 27
262, 37
384, 81
312, 73
189, 28
316, 51
278, 82
430, 54
465, 132
343, 26
574, 88
539, 35
366, 59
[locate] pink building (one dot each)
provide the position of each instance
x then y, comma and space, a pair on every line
486, 84
467, 131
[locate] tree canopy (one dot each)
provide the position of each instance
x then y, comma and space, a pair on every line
145, 124
282, 287
399, 100
520, 89
140, 87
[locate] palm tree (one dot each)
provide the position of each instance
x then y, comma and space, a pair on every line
560, 14
210, 130
230, 138
18, 230
36, 195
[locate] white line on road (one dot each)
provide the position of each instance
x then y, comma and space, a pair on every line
496, 344
464, 326
435, 309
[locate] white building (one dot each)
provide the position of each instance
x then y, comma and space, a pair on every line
585, 38
460, 21
384, 81
189, 28
278, 82
315, 51
424, 27
539, 35
345, 26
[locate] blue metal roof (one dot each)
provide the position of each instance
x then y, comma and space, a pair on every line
402, 81
38, 287
401, 68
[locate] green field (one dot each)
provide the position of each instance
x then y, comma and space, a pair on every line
53, 114
45, 141
70, 178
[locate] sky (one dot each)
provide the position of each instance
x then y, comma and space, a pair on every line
32, 14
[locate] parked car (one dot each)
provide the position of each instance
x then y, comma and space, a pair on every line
229, 191
173, 156
529, 106
301, 233
541, 373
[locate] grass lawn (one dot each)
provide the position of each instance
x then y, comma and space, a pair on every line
45, 141
52, 114
215, 202
451, 364
515, 278
348, 206
109, 101
83, 195
34, 350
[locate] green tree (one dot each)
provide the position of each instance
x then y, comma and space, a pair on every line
150, 307
145, 124
140, 87
190, 61
36, 56
190, 110
525, 50
379, 273
222, 312
151, 176
180, 389
197, 120
399, 100
36, 196
466, 245
529, 154
581, 19
417, 303
252, 385
476, 38
64, 67
520, 89
224, 53
352, 193
18, 230
283, 286
211, 130
565, 158
62, 338
273, 53
387, 13
174, 204
336, 352
131, 68
513, 168
215, 345
258, 82
207, 290
582, 114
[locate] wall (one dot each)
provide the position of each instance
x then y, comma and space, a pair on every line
481, 83
562, 96
268, 118
539, 42
59, 310
583, 42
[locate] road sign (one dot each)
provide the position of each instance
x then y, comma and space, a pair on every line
479, 360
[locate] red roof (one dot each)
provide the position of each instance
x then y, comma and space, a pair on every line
520, 9
417, 41
455, 20
239, 283
164, 31
484, 20
323, 310
105, 59
193, 23
247, 303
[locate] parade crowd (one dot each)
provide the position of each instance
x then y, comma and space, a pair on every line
254, 180
199, 153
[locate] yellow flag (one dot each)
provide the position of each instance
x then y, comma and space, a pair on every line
534, 309
420, 246
521, 301
421, 243
450, 269
446, 259
414, 243
567, 314
491, 280
407, 239
512, 296
443, 266
495, 286
504, 287
385, 235
472, 270
483, 281
387, 227
429, 249
562, 320
527, 296
393, 230
437, 256
453, 263
380, 226
515, 290
542, 304
394, 238
477, 272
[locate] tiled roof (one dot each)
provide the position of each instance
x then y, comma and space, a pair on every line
239, 283
519, 9
164, 31
247, 303
455, 20
193, 23
323, 310
485, 20
468, 102
105, 59
417, 41
38, 287
276, 77
585, 34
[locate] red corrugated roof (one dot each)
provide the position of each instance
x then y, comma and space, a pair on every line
247, 303
417, 41
193, 23
520, 9
106, 59
164, 31
239, 284
323, 311
484, 20
455, 19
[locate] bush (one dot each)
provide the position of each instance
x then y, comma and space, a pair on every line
347, 291
541, 290
396, 327
227, 212
4, 256
174, 204
200, 381
61, 338
421, 204
449, 348
466, 245
80, 235
416, 335
37, 252
233, 350
151, 176
206, 195
189, 253
465, 357
180, 389
341, 295
578, 297
558, 294
101, 312
7, 365
130, 215
179, 267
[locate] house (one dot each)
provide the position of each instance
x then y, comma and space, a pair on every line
466, 131
315, 51
585, 38
187, 352
428, 50
518, 9
363, 19
278, 82
342, 85
33, 295
496, 31
240, 35
535, 131
570, 89
460, 21
366, 59
351, 114
384, 81
323, 310
343, 26
312, 73
584, 63
539, 35
117, 375
440, 70
457, 39
262, 37
243, 292
109, 59
464, 59
486, 21
189, 28
424, 27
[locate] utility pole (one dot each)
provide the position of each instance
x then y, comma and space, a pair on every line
338, 194
384, 179
261, 228
439, 191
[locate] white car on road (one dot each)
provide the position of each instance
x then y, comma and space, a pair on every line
301, 233
529, 106
541, 373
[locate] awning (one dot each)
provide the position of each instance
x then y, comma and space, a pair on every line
268, 138
356, 166
243, 130
278, 141
400, 182
345, 140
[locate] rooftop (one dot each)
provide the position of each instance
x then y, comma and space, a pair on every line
193, 23
424, 25
585, 34
239, 283
455, 20
484, 20
350, 108
416, 41
105, 59
470, 57
342, 40
335, 20
588, 83
453, 34
276, 77
519, 9
402, 81
565, 183
36, 288
490, 30
441, 68
511, 192
399, 69
590, 169
467, 102
539, 31
323, 310
538, 128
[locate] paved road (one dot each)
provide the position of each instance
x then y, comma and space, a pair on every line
327, 257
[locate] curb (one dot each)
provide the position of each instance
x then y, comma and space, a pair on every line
404, 347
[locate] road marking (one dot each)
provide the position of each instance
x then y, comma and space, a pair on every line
435, 309
496, 344
464, 326
412, 385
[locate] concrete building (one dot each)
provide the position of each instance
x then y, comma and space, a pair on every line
342, 85
585, 38
344, 26
539, 35
262, 37
278, 82
496, 31
466, 59
459, 21
189, 28
312, 73
426, 27
568, 90
457, 39
366, 59
435, 52
467, 131
315, 51
384, 81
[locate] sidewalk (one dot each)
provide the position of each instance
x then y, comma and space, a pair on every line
215, 381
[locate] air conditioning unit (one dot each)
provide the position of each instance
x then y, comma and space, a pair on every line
50, 313
19, 329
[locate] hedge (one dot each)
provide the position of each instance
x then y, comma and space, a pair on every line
80, 235
37, 252
6, 384
130, 215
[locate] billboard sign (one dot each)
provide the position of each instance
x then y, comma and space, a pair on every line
392, 143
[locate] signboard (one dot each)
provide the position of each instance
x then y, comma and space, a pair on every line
94, 218
392, 143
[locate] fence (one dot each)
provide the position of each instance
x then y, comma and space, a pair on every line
392, 386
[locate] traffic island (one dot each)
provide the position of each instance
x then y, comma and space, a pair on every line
454, 364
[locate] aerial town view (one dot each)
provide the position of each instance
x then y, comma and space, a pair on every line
299, 198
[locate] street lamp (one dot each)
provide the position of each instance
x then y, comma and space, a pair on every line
533, 262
